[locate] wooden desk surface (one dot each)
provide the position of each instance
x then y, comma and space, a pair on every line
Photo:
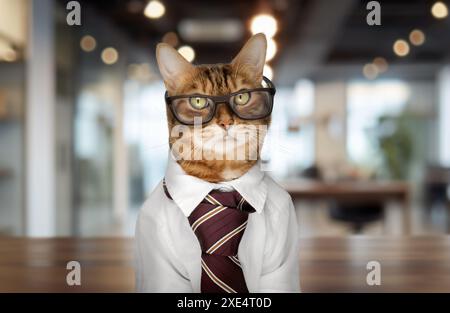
352, 189
415, 264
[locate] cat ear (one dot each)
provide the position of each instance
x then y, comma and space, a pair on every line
253, 53
172, 65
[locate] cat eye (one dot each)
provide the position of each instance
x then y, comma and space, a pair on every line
242, 98
198, 102
249, 104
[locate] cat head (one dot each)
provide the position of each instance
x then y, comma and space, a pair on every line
227, 145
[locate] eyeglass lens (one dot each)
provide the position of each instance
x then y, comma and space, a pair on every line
249, 105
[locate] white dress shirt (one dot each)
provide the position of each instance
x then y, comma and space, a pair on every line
168, 253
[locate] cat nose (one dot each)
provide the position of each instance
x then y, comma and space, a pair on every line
224, 117
225, 123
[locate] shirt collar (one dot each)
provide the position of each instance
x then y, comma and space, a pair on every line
188, 191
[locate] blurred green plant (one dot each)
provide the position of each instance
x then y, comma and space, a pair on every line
395, 138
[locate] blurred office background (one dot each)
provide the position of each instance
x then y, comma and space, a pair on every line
361, 124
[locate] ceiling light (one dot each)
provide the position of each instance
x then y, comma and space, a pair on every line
187, 52
271, 49
110, 56
265, 24
88, 43
381, 64
268, 72
401, 48
208, 30
370, 71
439, 10
154, 9
417, 37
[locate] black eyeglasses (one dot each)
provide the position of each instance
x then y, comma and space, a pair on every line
247, 104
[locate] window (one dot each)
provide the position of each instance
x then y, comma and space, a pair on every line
289, 146
367, 102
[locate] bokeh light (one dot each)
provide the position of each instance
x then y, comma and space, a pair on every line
401, 48
439, 10
88, 43
265, 24
417, 37
381, 64
187, 52
271, 49
140, 72
268, 72
154, 9
370, 71
110, 56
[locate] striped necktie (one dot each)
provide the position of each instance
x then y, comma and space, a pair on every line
219, 222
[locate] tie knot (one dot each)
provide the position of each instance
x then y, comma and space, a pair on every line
219, 222
229, 199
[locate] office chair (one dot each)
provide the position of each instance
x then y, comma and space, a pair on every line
357, 213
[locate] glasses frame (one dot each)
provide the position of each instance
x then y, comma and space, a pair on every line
215, 100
